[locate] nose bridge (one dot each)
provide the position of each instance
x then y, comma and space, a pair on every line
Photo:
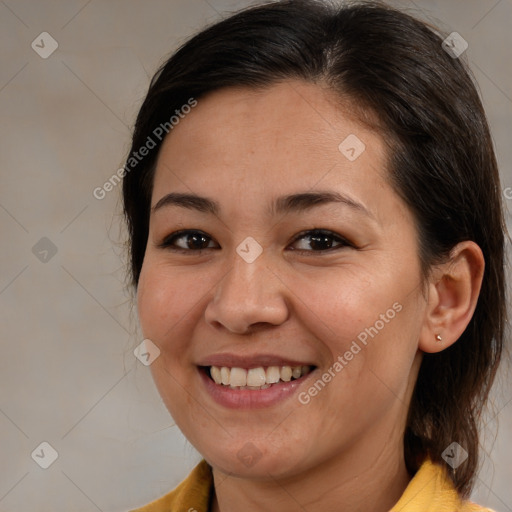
248, 294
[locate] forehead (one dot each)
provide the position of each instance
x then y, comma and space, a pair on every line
291, 135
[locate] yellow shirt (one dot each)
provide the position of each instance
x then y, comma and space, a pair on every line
430, 490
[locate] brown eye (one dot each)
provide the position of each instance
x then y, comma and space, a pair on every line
319, 240
187, 241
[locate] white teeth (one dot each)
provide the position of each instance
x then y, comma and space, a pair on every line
225, 374
273, 374
216, 374
256, 378
239, 377
296, 372
286, 373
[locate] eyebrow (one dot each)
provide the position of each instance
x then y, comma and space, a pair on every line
292, 203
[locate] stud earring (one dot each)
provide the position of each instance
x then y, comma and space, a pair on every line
438, 338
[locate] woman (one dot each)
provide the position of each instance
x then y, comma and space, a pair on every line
316, 242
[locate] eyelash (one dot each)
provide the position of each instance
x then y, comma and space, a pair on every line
169, 240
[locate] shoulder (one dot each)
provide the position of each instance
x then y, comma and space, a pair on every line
431, 490
193, 494
468, 506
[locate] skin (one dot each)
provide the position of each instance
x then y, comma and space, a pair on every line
243, 148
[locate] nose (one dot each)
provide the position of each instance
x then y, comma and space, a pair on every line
248, 297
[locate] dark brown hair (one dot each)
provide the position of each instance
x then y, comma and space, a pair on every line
441, 162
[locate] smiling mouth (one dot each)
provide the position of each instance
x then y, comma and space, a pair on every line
259, 378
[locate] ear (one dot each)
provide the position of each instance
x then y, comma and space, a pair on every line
453, 290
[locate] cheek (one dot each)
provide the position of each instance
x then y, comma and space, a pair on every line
370, 319
339, 305
164, 298
163, 301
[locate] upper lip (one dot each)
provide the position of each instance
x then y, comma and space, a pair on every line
254, 361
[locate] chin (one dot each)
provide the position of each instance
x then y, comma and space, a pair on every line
249, 462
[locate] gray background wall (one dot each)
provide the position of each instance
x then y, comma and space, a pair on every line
67, 372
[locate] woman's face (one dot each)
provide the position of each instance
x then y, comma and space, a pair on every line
267, 168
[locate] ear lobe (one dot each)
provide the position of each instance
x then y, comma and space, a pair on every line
453, 290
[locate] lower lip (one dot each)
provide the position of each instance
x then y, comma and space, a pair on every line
251, 398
